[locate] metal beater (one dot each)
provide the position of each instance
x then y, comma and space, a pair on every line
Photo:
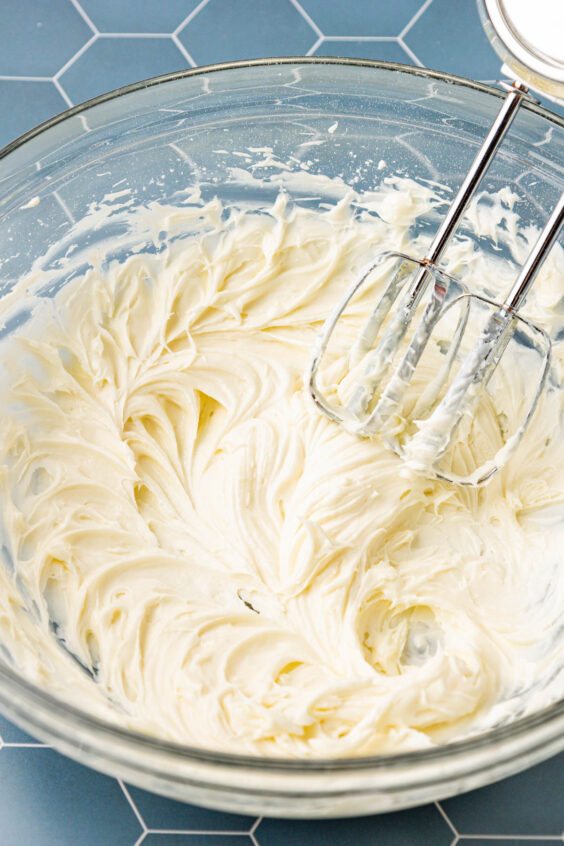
376, 404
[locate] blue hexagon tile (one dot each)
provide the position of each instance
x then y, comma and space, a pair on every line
455, 43
24, 104
159, 812
246, 29
112, 62
418, 827
340, 18
37, 37
531, 803
47, 800
56, 53
139, 16
368, 48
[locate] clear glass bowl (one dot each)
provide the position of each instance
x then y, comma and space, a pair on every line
155, 139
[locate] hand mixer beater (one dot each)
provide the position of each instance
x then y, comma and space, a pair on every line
422, 426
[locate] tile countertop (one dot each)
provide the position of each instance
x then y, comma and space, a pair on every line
55, 53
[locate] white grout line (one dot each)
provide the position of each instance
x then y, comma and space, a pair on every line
445, 817
297, 5
360, 38
255, 825
4, 78
191, 831
62, 92
134, 807
84, 16
25, 746
134, 34
179, 152
410, 53
64, 206
314, 47
78, 53
415, 18
176, 41
253, 839
189, 17
140, 839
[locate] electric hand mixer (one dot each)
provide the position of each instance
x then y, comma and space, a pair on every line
389, 341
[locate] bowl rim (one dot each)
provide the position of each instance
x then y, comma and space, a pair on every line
532, 726
542, 719
414, 70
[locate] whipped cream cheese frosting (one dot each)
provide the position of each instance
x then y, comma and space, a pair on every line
192, 550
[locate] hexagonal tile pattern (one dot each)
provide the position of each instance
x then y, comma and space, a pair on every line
387, 51
141, 16
455, 43
158, 812
38, 36
47, 800
418, 827
112, 62
225, 30
505, 808
362, 17
25, 104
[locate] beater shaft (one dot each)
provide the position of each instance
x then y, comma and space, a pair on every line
435, 434
378, 361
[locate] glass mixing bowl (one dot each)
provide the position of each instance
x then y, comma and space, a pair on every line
154, 140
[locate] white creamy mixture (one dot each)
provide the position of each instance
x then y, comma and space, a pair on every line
231, 569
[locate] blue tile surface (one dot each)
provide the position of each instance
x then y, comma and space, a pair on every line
140, 16
224, 31
417, 827
387, 51
47, 800
455, 43
44, 798
38, 36
111, 62
362, 17
71, 45
19, 100
529, 803
159, 812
